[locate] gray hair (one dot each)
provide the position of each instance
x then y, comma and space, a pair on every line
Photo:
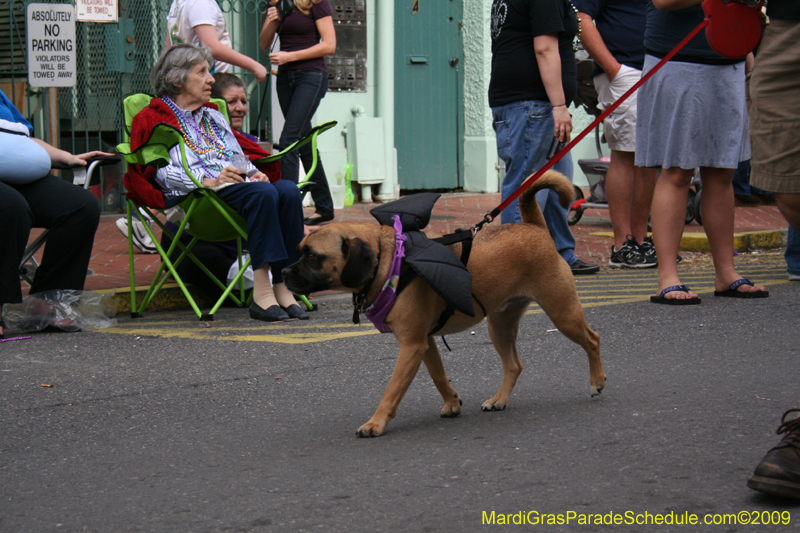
172, 68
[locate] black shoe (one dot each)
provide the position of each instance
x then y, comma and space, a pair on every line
648, 251
273, 313
778, 473
579, 268
317, 220
295, 311
628, 255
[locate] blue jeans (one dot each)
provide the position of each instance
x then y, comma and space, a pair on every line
741, 181
524, 133
299, 94
792, 254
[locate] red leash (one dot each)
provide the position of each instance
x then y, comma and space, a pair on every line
489, 217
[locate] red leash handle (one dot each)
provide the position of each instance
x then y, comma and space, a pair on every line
496, 211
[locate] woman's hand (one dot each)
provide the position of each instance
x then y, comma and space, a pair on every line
259, 176
563, 123
272, 15
228, 174
81, 160
280, 58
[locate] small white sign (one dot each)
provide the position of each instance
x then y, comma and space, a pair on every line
97, 10
51, 45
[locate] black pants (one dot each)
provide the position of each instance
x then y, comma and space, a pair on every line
217, 259
71, 213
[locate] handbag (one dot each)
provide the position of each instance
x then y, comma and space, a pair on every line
734, 27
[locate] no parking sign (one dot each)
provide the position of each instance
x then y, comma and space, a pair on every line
51, 45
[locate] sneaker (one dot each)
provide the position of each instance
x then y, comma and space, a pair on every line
794, 277
778, 473
648, 251
580, 268
628, 255
141, 238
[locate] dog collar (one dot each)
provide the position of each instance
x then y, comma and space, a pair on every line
380, 307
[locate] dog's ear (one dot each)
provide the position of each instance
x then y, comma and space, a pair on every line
359, 262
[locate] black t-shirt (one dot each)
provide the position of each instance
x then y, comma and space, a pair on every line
783, 9
621, 26
515, 72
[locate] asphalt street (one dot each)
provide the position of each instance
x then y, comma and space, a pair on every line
168, 424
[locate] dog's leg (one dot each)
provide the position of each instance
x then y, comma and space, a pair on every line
405, 369
567, 315
433, 362
503, 330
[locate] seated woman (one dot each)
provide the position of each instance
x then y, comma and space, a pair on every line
30, 196
273, 211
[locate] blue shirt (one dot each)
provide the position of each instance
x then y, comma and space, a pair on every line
621, 25
9, 113
665, 29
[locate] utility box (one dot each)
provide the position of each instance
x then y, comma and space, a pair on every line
365, 147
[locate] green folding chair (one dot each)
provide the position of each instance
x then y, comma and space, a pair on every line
206, 216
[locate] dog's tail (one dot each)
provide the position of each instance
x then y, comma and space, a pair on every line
552, 179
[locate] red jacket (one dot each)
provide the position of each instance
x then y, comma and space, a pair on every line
139, 180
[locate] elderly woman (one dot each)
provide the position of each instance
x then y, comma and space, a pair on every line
273, 211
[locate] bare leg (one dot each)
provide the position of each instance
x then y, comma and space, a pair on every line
644, 184
789, 205
619, 190
669, 218
718, 220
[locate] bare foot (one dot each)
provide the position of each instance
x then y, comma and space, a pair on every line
677, 294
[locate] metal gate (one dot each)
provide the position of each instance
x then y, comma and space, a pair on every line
113, 61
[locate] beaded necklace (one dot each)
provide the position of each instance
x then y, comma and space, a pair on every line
209, 138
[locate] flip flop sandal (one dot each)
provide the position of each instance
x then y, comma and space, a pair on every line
731, 291
674, 301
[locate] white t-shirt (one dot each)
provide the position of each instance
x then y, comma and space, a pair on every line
184, 15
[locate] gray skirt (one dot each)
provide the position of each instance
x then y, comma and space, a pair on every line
692, 115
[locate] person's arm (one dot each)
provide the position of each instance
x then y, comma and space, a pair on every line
669, 5
61, 157
593, 43
221, 52
269, 29
549, 61
326, 46
167, 43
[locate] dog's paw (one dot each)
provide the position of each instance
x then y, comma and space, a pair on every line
596, 391
493, 405
368, 431
452, 410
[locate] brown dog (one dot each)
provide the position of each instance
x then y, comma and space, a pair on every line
511, 265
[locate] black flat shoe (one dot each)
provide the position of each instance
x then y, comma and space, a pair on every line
295, 311
273, 313
317, 220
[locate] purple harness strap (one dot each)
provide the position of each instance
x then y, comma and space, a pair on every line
379, 309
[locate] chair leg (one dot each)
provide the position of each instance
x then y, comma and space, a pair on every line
309, 306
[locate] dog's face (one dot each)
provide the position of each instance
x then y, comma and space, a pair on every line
330, 259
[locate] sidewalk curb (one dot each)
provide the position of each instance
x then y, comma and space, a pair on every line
170, 297
742, 242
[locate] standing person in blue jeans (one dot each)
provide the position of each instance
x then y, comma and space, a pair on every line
534, 79
307, 36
